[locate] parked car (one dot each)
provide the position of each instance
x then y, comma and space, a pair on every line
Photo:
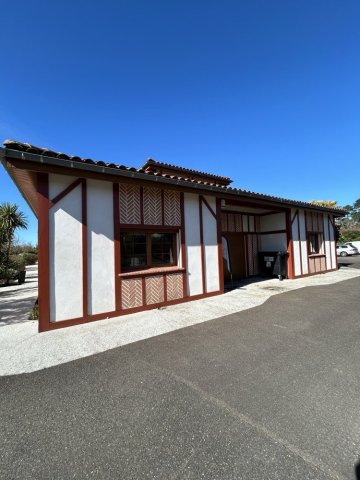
345, 250
354, 243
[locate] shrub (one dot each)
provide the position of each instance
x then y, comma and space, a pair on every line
30, 258
350, 235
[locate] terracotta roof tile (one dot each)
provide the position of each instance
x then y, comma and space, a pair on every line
154, 165
28, 148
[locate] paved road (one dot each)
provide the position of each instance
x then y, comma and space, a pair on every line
352, 261
270, 393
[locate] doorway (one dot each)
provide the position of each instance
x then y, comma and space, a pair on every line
234, 257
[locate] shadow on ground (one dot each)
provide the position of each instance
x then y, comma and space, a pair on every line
17, 301
15, 312
357, 471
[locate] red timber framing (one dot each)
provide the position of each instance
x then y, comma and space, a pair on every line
45, 204
117, 251
220, 246
319, 224
44, 250
296, 218
254, 232
330, 220
202, 251
183, 244
163, 274
290, 246
203, 203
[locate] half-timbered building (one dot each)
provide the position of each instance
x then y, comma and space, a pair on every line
115, 240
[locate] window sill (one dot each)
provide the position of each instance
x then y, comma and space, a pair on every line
316, 255
152, 271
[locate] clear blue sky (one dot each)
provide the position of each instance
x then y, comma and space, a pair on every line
266, 92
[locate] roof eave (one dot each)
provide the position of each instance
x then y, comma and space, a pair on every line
76, 165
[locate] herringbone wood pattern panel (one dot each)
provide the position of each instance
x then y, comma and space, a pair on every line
174, 286
152, 206
131, 293
154, 290
172, 214
129, 204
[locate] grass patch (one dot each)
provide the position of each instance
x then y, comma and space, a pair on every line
34, 314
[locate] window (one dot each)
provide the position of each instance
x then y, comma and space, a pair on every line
133, 250
162, 248
315, 243
147, 249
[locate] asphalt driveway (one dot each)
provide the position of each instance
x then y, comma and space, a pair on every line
268, 393
352, 261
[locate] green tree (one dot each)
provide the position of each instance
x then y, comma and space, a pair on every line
354, 212
11, 219
325, 203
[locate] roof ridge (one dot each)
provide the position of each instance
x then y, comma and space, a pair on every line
151, 161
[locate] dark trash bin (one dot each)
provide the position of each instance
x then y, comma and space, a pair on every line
273, 264
21, 277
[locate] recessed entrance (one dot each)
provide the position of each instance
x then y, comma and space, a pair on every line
234, 257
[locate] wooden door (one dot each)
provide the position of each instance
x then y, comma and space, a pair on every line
235, 264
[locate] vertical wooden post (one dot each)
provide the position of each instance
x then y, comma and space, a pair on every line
117, 253
183, 244
219, 241
84, 246
202, 247
290, 246
44, 254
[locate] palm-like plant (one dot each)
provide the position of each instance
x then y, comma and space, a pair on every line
11, 219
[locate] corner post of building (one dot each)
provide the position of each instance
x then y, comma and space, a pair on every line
290, 246
335, 241
117, 261
44, 255
220, 247
183, 244
84, 246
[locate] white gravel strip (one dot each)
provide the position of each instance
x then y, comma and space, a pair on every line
23, 349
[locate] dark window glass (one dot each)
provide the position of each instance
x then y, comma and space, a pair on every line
314, 243
133, 250
162, 246
140, 249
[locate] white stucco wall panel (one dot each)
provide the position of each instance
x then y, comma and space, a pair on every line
327, 243
65, 251
58, 183
332, 243
303, 242
276, 221
273, 242
210, 247
100, 254
296, 244
192, 243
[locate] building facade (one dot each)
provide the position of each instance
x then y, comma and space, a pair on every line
115, 240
